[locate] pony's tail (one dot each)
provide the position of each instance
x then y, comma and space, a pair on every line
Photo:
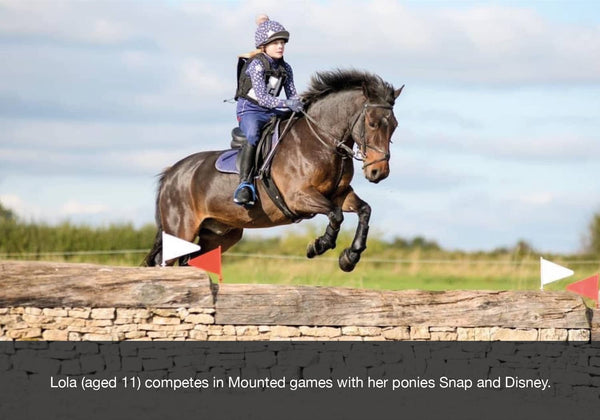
154, 257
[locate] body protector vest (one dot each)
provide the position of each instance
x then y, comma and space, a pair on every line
274, 79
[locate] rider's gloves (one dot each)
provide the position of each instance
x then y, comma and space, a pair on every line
295, 104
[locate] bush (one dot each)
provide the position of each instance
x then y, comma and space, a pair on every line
7, 215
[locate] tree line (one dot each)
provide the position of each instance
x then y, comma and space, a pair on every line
31, 238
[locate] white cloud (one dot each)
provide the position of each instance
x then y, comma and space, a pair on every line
76, 208
539, 198
107, 163
109, 32
117, 149
556, 149
483, 43
198, 76
22, 208
62, 21
109, 93
12, 201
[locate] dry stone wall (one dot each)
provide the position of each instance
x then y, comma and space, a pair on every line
69, 302
118, 324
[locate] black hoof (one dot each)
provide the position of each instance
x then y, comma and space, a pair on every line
311, 252
318, 247
348, 260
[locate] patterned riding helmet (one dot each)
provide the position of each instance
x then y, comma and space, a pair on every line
269, 31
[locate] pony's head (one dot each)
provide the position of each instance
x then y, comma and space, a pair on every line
374, 124
373, 134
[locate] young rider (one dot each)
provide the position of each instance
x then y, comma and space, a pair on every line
261, 81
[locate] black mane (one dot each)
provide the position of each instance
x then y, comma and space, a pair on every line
326, 82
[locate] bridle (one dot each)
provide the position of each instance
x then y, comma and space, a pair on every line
363, 144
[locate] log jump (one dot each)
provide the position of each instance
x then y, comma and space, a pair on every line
47, 301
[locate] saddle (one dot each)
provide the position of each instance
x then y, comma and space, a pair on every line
228, 161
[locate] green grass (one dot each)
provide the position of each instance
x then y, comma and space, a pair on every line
394, 265
418, 273
73, 243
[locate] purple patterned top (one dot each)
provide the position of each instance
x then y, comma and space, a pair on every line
257, 74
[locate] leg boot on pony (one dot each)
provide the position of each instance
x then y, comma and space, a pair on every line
245, 194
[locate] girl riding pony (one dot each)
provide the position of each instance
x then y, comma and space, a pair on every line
261, 81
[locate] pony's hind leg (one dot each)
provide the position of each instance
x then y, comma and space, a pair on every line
183, 225
209, 239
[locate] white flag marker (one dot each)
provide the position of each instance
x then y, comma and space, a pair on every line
173, 247
550, 272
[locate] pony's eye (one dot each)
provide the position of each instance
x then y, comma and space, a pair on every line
373, 124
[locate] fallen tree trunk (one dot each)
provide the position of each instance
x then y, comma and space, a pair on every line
44, 284
288, 305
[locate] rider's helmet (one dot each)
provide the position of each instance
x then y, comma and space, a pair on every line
269, 31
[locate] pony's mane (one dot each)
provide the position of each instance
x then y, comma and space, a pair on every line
326, 82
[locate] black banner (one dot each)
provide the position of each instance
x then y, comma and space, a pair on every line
299, 380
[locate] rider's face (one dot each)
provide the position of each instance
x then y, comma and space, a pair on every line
275, 49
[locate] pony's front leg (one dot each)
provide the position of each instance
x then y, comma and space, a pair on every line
350, 256
310, 201
327, 240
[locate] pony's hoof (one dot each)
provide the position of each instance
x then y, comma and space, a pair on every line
318, 247
348, 260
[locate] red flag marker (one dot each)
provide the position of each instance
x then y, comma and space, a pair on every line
211, 261
586, 287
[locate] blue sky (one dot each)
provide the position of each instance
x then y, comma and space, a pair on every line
498, 136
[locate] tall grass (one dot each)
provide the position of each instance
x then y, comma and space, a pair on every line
68, 242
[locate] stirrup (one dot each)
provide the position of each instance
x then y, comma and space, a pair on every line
252, 189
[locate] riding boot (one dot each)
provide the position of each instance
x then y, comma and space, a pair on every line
245, 194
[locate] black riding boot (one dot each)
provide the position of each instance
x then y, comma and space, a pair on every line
245, 194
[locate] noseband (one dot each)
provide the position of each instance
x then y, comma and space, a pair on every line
340, 145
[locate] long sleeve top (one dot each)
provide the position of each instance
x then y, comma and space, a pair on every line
256, 72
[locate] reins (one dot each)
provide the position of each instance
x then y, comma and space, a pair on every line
339, 145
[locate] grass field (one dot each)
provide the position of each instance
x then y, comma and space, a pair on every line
410, 273
400, 264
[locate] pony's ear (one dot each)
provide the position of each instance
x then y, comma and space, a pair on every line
398, 92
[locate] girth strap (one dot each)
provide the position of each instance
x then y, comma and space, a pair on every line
276, 198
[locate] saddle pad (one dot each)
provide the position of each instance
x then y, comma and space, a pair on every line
226, 162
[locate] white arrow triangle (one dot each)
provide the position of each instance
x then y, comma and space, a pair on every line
550, 272
173, 247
